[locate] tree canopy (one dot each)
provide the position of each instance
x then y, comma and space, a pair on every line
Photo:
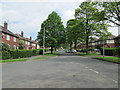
54, 31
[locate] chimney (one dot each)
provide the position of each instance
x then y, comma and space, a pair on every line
30, 38
5, 25
22, 33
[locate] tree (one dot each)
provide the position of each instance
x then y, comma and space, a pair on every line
85, 13
54, 32
74, 32
110, 12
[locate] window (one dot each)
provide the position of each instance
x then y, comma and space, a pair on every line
14, 46
8, 37
15, 39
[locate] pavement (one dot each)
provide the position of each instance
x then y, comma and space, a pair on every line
64, 71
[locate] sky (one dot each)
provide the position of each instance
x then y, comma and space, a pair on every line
27, 15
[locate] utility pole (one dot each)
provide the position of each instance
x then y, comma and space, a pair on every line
103, 34
43, 40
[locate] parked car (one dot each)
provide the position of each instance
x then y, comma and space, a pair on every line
71, 51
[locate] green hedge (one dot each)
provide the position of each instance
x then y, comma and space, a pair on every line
110, 51
13, 54
6, 55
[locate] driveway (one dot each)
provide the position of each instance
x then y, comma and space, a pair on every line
65, 71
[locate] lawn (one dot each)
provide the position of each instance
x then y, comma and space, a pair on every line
111, 59
84, 54
38, 58
13, 60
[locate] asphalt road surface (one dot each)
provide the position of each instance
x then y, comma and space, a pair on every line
65, 71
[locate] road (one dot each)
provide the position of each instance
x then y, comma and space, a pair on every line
65, 71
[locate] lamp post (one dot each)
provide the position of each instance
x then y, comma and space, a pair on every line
103, 34
43, 40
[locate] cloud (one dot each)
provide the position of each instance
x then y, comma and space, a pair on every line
42, 0
27, 17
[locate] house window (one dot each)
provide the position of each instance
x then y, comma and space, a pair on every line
15, 39
14, 46
8, 37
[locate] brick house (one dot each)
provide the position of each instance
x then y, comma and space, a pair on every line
14, 40
117, 41
28, 43
108, 43
98, 43
8, 37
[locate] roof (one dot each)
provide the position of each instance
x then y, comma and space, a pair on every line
111, 37
6, 31
27, 39
117, 37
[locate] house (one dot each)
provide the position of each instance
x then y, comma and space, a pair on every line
108, 42
14, 40
27, 43
8, 37
98, 43
117, 41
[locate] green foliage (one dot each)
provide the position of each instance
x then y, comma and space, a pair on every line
5, 47
6, 55
54, 31
110, 51
13, 54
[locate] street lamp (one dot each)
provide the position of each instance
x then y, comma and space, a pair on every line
43, 39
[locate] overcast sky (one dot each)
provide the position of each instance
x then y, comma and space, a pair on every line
27, 15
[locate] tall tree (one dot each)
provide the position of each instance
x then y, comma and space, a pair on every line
85, 12
110, 11
54, 31
74, 32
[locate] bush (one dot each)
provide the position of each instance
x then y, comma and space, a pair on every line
14, 54
6, 55
109, 51
46, 50
35, 52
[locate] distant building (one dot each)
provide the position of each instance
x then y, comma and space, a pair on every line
98, 43
117, 41
14, 40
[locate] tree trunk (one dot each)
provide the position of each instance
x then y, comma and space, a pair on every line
51, 50
75, 46
87, 39
71, 46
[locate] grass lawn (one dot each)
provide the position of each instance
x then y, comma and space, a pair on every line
13, 60
112, 59
84, 54
38, 58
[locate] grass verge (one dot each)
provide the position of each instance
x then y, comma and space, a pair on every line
84, 54
38, 58
13, 60
111, 59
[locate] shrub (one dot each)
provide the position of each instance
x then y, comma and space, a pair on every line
109, 51
6, 55
35, 52
14, 54
5, 47
46, 50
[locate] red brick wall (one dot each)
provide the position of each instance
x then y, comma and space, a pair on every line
10, 42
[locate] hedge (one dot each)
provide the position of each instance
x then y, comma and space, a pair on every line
6, 55
111, 51
13, 54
